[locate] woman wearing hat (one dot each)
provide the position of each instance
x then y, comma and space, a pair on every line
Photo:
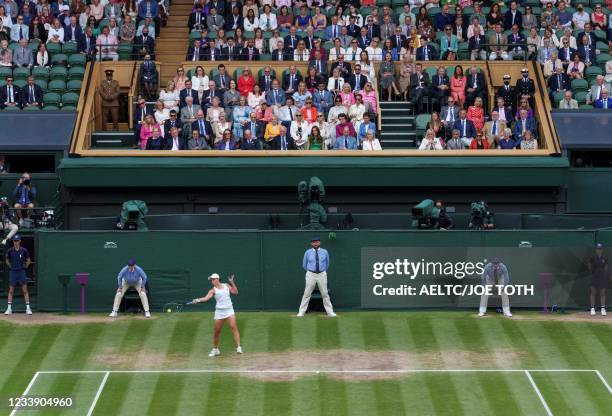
224, 310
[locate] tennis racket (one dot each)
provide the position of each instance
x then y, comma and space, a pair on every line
175, 306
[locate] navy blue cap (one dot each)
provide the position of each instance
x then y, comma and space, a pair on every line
599, 245
131, 262
315, 239
16, 237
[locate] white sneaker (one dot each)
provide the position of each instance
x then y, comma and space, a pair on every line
4, 242
481, 314
113, 314
603, 312
332, 315
8, 311
508, 314
592, 311
214, 352
239, 350
300, 315
147, 314
28, 311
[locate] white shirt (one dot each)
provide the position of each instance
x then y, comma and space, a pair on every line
333, 53
250, 27
222, 296
175, 145
375, 54
434, 145
371, 145
268, 22
59, 32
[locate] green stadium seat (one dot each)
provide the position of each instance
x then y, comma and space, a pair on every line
31, 108
124, 50
33, 46
237, 74
42, 83
68, 108
602, 47
40, 72
580, 97
50, 108
58, 72
77, 59
51, 98
76, 72
421, 122
57, 86
70, 98
12, 108
591, 72
381, 3
59, 59
54, 48
558, 96
5, 72
69, 48
431, 71
579, 85
21, 73
20, 83
585, 107
602, 58
74, 85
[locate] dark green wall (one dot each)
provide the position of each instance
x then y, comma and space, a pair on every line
46, 186
267, 264
588, 190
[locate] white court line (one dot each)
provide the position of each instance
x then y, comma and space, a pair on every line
27, 390
537, 390
315, 371
603, 380
98, 393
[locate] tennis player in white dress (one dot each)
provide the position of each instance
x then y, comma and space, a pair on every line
224, 310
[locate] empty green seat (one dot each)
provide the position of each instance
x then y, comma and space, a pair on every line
69, 48
68, 108
12, 108
74, 85
40, 72
51, 98
58, 72
77, 59
54, 48
59, 59
76, 72
21, 73
57, 86
5, 72
42, 83
70, 98
51, 108
31, 108
20, 83
579, 85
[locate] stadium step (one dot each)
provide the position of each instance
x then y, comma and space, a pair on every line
398, 140
111, 139
398, 127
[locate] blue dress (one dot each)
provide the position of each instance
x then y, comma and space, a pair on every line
240, 114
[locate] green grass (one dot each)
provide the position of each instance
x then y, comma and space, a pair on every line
354, 341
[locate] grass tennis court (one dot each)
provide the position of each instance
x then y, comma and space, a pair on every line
369, 363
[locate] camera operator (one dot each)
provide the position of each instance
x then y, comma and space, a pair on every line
480, 216
25, 196
444, 221
6, 222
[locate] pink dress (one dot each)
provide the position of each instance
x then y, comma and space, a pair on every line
348, 99
458, 88
146, 133
369, 98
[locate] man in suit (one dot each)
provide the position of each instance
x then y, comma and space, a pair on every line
387, 28
249, 142
219, 5
558, 82
196, 142
203, 127
333, 30
364, 40
498, 44
398, 40
345, 141
343, 66
568, 103
188, 91
443, 18
524, 124
209, 95
73, 32
309, 39
275, 97
605, 102
174, 141
372, 29
588, 32
440, 85
139, 117
22, 56
283, 141
525, 87
587, 52
504, 111
280, 53
287, 113
322, 99
10, 95
419, 86
517, 44
475, 45
197, 18
345, 38
144, 44
426, 52
291, 80
566, 52
32, 94
357, 80
265, 79
507, 92
257, 127
230, 52
352, 29
494, 128
234, 20
292, 39
173, 121
212, 53
214, 21
545, 52
595, 92
475, 86
188, 115
467, 132
88, 44
249, 52
195, 53
513, 17
222, 78
319, 65
449, 113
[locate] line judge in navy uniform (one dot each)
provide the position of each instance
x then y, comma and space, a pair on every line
316, 263
18, 260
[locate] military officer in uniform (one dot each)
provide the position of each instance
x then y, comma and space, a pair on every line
525, 87
507, 93
109, 92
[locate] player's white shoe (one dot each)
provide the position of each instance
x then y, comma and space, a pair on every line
300, 315
481, 314
8, 311
28, 311
332, 315
147, 314
508, 314
113, 314
239, 350
603, 312
592, 311
214, 352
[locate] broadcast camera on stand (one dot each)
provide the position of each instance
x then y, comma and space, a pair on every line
310, 196
426, 215
132, 216
481, 218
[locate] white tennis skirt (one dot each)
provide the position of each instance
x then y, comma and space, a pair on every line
223, 313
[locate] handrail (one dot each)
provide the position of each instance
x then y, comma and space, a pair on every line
134, 83
544, 113
81, 106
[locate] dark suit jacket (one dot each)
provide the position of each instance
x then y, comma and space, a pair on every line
438, 80
275, 143
138, 115
148, 43
285, 84
507, 114
363, 43
374, 32
554, 85
480, 83
38, 95
219, 84
583, 54
183, 97
518, 19
148, 73
414, 80
191, 52
353, 81
83, 45
288, 43
323, 65
525, 87
591, 34
207, 132
285, 53
255, 144
207, 97
229, 22
431, 53
309, 42
394, 41
472, 42
262, 82
4, 95
168, 143
345, 69
192, 20
235, 55
563, 54
260, 128
208, 55
169, 124
221, 145
244, 54
509, 95
470, 131
78, 33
